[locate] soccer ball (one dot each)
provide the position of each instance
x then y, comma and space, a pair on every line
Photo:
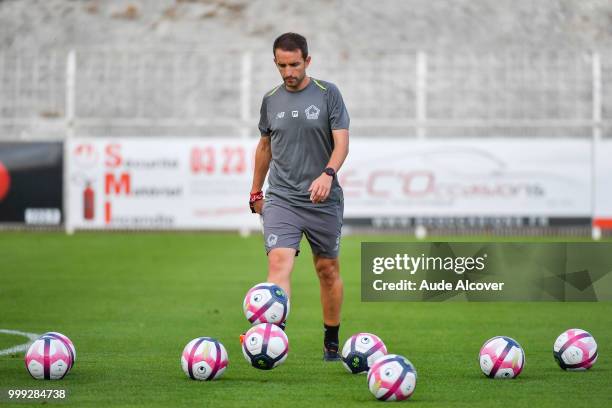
67, 342
48, 359
265, 346
501, 357
204, 358
392, 378
266, 303
361, 351
575, 349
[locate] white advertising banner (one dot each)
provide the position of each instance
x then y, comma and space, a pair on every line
204, 183
468, 177
602, 216
160, 183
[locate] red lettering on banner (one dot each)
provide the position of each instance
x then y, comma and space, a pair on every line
387, 183
373, 179
350, 183
234, 160
203, 160
112, 184
107, 212
84, 149
418, 183
85, 155
113, 155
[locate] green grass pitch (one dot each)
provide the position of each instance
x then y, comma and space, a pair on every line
130, 303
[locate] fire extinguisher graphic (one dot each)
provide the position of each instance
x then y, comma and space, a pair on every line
88, 202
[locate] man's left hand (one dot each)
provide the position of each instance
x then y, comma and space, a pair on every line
320, 188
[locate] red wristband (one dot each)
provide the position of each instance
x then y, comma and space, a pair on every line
254, 197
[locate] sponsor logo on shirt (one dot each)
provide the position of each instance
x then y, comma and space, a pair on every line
280, 115
312, 112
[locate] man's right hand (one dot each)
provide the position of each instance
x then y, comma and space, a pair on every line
256, 202
259, 206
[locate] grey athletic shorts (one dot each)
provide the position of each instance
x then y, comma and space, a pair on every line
284, 225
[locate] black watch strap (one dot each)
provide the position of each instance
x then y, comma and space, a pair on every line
330, 172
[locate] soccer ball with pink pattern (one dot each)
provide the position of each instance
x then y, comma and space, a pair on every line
265, 346
361, 351
266, 303
575, 349
204, 359
392, 378
67, 342
501, 357
48, 358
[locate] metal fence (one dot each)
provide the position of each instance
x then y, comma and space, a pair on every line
197, 92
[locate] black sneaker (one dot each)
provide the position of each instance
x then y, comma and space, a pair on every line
330, 352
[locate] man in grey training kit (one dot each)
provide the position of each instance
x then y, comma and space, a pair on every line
304, 141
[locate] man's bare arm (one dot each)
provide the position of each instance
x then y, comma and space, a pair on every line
263, 156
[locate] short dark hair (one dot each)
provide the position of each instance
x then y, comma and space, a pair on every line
291, 42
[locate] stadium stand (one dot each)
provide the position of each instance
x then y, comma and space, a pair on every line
407, 69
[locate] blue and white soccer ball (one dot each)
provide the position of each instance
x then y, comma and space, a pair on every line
361, 351
204, 359
266, 303
48, 358
67, 342
575, 350
265, 346
501, 357
392, 378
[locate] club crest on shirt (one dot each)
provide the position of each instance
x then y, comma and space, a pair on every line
312, 112
294, 114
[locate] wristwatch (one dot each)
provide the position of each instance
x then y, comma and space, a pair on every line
330, 172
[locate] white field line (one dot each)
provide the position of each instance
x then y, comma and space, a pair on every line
21, 347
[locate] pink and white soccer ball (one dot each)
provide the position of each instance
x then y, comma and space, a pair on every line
361, 351
265, 346
66, 341
204, 359
48, 358
392, 378
501, 357
266, 303
575, 349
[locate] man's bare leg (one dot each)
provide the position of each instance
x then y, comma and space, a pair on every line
332, 291
280, 265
